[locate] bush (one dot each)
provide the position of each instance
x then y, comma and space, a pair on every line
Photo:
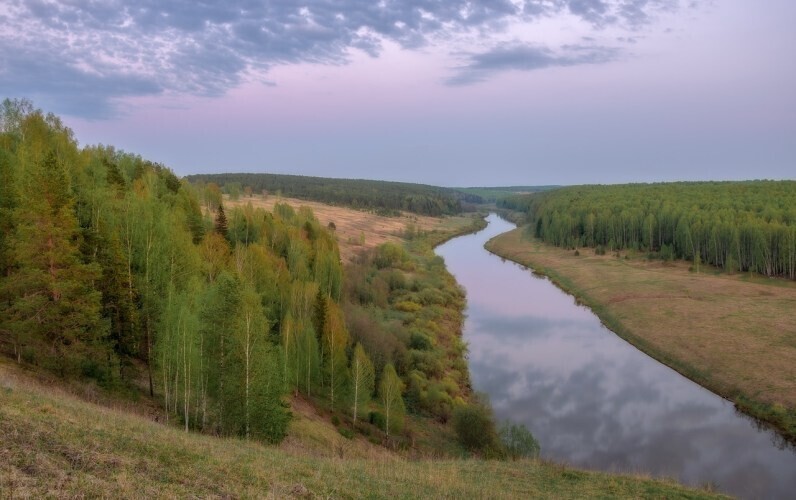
667, 253
420, 341
518, 441
376, 418
346, 432
475, 428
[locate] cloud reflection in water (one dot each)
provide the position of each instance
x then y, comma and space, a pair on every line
592, 399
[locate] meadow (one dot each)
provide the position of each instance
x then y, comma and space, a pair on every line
357, 231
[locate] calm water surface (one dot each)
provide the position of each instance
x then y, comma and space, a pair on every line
592, 399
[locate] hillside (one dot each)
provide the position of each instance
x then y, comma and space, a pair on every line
57, 445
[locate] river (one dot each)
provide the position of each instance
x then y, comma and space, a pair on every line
593, 400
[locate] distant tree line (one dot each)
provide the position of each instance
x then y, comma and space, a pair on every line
736, 226
357, 193
493, 194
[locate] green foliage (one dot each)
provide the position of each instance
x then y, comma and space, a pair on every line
362, 381
518, 441
475, 428
390, 390
415, 324
382, 196
108, 266
377, 418
736, 226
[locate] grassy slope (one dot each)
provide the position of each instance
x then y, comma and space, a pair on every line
732, 334
57, 445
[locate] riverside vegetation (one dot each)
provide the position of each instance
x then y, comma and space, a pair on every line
224, 325
112, 272
690, 288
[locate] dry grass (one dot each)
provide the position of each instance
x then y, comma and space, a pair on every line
57, 446
735, 334
352, 224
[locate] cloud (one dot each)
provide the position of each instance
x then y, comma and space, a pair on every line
527, 57
98, 52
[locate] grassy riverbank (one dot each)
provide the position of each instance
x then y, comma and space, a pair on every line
56, 445
733, 334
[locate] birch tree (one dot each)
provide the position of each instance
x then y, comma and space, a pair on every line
390, 390
362, 380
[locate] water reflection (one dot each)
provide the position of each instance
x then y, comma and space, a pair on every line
590, 398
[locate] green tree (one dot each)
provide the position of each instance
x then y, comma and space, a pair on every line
362, 381
221, 221
390, 390
57, 309
335, 342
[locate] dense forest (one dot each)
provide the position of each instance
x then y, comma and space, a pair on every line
736, 226
382, 196
114, 272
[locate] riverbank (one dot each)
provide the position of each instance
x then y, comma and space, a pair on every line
734, 335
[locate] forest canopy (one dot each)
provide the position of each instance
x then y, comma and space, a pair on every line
112, 271
736, 226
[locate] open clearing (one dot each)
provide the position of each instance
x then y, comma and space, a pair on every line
55, 445
358, 230
734, 334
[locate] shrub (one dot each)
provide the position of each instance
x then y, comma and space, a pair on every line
420, 341
377, 418
475, 428
667, 253
518, 441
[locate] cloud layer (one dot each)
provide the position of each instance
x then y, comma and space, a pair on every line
82, 57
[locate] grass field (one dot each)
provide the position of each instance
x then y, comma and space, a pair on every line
734, 334
359, 230
56, 445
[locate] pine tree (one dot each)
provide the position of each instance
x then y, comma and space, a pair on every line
221, 221
57, 308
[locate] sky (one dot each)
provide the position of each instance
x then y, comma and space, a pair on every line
445, 92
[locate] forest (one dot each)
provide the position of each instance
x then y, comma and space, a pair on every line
382, 196
745, 226
116, 271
